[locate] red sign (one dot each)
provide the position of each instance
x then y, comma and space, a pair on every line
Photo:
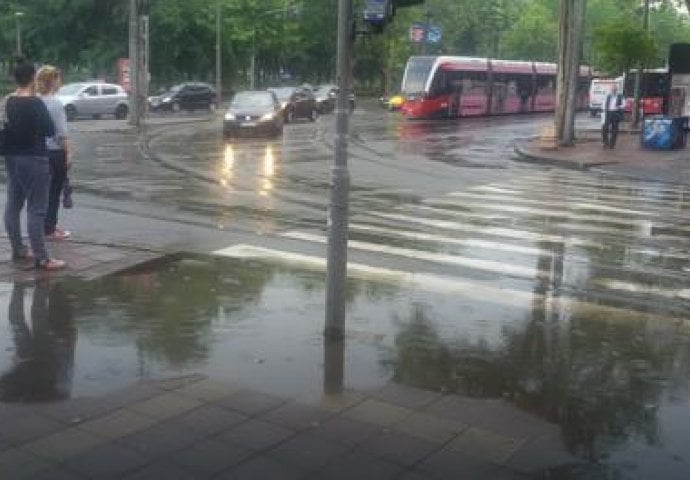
123, 73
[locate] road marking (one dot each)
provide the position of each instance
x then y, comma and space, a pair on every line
421, 281
466, 242
622, 286
490, 231
473, 263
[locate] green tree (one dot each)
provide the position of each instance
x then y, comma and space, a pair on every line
622, 45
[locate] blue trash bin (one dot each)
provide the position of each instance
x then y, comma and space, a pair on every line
664, 133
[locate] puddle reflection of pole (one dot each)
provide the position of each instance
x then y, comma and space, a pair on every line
334, 365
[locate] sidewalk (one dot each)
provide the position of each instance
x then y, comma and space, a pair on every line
628, 159
193, 428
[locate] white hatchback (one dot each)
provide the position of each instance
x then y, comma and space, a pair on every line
93, 100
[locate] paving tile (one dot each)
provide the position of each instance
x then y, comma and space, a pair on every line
541, 454
64, 444
377, 413
251, 403
347, 431
494, 414
27, 426
398, 448
359, 466
339, 402
209, 457
53, 473
109, 461
16, 463
161, 439
430, 427
256, 435
162, 471
264, 468
407, 397
486, 445
175, 383
118, 424
297, 416
307, 451
207, 390
165, 406
417, 475
210, 420
448, 464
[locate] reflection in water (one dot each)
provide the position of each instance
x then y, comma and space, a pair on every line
269, 170
43, 362
334, 365
228, 162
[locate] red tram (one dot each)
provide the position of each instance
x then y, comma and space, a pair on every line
451, 87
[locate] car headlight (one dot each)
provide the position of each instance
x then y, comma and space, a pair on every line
283, 105
166, 100
230, 116
267, 116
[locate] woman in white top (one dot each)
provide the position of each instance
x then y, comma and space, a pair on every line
47, 84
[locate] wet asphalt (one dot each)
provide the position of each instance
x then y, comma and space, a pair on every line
566, 293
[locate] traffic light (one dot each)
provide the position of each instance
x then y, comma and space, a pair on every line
377, 13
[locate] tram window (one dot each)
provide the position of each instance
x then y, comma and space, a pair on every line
546, 84
474, 83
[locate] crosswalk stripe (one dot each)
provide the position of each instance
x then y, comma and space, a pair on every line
422, 281
560, 199
612, 284
465, 242
598, 183
473, 263
489, 231
474, 290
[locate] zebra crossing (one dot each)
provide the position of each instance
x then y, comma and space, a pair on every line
608, 243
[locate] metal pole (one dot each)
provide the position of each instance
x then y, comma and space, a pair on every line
18, 17
134, 115
144, 66
340, 178
637, 89
252, 61
219, 81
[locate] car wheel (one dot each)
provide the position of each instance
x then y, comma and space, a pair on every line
176, 107
70, 113
314, 115
121, 112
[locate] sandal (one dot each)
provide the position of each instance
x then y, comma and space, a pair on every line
23, 255
50, 264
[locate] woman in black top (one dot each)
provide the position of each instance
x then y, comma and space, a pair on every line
27, 125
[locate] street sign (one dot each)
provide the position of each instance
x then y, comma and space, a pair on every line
425, 33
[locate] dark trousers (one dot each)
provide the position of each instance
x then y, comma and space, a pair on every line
58, 173
27, 182
609, 131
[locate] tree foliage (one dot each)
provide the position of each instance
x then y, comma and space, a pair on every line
297, 38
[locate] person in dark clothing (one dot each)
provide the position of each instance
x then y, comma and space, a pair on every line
611, 116
27, 125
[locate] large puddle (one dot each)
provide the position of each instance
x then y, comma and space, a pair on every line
615, 380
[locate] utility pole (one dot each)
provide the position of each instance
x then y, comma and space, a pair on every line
143, 66
219, 81
134, 54
640, 69
336, 275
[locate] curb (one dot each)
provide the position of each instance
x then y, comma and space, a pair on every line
526, 154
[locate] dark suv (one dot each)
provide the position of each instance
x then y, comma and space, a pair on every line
186, 96
297, 102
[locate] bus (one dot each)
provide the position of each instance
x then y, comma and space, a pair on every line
654, 89
453, 87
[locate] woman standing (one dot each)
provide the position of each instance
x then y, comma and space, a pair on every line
47, 84
27, 125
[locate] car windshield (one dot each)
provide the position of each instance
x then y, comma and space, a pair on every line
175, 89
283, 93
70, 89
252, 99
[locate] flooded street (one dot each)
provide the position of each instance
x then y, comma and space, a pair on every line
564, 293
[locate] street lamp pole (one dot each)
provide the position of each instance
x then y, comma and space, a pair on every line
340, 185
219, 81
18, 16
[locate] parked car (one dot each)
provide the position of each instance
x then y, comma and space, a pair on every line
325, 96
93, 100
253, 111
185, 96
296, 102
